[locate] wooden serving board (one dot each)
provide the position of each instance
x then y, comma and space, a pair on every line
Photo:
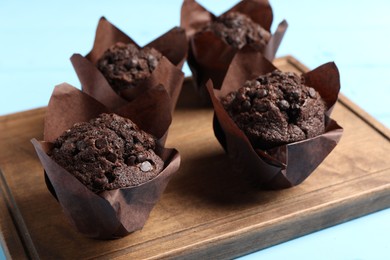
206, 210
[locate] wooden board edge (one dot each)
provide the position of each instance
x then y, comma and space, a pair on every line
19, 245
22, 114
245, 239
294, 62
9, 236
366, 117
237, 244
314, 220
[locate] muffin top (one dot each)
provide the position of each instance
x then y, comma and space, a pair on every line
275, 109
238, 30
124, 65
108, 152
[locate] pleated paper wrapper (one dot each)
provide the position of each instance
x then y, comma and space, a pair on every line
172, 45
113, 213
286, 165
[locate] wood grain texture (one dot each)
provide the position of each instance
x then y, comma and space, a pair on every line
207, 210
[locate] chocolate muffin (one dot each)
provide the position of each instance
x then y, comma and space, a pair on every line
275, 109
124, 65
238, 30
108, 152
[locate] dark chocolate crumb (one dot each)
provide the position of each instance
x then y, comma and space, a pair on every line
124, 65
283, 104
238, 30
283, 110
108, 152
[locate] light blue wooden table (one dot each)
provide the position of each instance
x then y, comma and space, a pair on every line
37, 38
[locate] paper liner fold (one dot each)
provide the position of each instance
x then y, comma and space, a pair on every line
109, 214
282, 166
194, 16
172, 45
208, 55
68, 105
115, 213
95, 84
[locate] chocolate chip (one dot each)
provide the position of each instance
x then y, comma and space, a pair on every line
243, 90
110, 67
111, 157
312, 92
101, 143
99, 182
290, 75
295, 93
295, 106
246, 105
283, 104
146, 166
260, 93
247, 83
152, 61
110, 177
229, 40
252, 93
131, 160
81, 145
111, 60
132, 63
141, 157
234, 23
261, 107
241, 97
130, 142
86, 156
228, 99
69, 146
262, 80
237, 39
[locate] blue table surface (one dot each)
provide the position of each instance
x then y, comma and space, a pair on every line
38, 37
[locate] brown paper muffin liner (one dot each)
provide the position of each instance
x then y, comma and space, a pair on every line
167, 73
208, 55
286, 165
114, 213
